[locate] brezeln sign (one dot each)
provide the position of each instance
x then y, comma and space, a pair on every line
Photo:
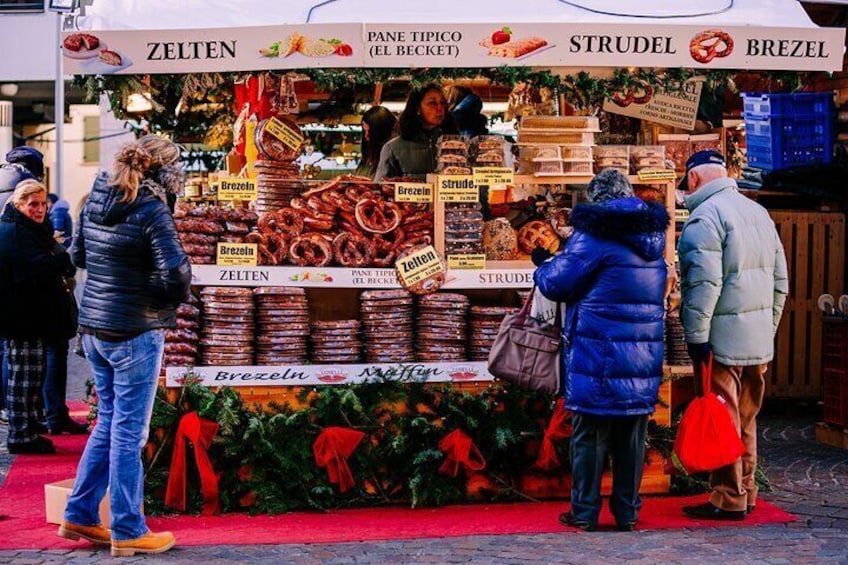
236, 188
457, 189
284, 133
237, 254
418, 266
493, 176
471, 261
413, 192
656, 174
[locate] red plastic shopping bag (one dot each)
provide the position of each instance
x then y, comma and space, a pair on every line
707, 438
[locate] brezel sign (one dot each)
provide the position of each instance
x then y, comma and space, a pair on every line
348, 45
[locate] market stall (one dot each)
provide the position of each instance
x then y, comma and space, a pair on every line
301, 283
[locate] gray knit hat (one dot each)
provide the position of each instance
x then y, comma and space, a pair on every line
609, 184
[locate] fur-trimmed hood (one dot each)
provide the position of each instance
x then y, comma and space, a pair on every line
634, 222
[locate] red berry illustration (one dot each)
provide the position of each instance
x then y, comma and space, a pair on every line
501, 36
344, 50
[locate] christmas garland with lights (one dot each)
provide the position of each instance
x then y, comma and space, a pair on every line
269, 460
195, 107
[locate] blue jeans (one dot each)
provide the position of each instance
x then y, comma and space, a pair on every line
125, 375
4, 373
56, 383
593, 438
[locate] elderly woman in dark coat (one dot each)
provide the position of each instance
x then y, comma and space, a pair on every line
33, 265
612, 277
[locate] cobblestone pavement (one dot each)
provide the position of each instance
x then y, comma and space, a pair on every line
809, 479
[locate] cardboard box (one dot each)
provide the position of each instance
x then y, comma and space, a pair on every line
56, 498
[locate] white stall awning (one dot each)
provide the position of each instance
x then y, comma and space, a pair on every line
159, 36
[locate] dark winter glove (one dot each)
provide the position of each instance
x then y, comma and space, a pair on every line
540, 255
699, 352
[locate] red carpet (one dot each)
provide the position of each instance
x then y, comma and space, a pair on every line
24, 526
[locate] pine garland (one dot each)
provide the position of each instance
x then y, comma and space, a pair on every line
206, 99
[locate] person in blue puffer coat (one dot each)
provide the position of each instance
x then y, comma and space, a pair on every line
612, 277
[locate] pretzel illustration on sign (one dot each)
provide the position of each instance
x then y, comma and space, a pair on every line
710, 44
640, 93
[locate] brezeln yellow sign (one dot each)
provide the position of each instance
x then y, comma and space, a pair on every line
457, 189
235, 188
418, 266
237, 254
469, 262
284, 133
656, 174
493, 176
413, 192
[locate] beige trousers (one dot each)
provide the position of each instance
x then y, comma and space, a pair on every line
742, 388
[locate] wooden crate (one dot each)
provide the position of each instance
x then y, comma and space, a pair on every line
814, 243
831, 435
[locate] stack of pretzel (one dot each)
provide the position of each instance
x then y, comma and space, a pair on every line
277, 182
201, 226
442, 327
282, 325
349, 221
228, 325
388, 323
181, 344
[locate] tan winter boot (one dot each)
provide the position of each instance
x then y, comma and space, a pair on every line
94, 534
148, 543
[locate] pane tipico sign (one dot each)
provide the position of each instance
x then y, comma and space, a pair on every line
471, 261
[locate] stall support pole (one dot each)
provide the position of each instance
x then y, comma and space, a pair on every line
59, 111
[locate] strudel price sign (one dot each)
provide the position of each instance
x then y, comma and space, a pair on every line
457, 189
311, 375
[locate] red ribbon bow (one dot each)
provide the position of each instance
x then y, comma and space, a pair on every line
460, 451
200, 433
332, 447
559, 428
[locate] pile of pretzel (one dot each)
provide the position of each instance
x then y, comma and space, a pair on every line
349, 221
181, 343
201, 226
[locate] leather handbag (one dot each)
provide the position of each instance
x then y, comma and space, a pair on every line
527, 351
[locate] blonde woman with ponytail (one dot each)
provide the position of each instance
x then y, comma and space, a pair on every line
138, 274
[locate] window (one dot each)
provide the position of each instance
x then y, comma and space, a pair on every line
91, 143
15, 6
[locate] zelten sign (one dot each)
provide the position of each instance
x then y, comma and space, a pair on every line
348, 45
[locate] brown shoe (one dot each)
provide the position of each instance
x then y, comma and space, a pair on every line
148, 543
94, 534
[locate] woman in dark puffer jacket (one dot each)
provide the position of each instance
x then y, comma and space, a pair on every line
137, 275
612, 277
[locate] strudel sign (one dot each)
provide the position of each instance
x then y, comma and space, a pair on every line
348, 45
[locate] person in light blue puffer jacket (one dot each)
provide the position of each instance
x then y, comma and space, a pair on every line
734, 284
612, 277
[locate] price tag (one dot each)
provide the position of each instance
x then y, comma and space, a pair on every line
235, 188
657, 174
418, 266
681, 215
457, 189
237, 254
413, 192
493, 176
471, 261
284, 133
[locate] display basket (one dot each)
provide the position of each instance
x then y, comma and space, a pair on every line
777, 142
765, 105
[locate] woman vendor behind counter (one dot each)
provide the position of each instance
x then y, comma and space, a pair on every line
378, 127
423, 120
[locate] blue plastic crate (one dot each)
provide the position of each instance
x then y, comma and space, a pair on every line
764, 105
785, 141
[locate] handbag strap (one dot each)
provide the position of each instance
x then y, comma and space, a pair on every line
528, 304
707, 375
